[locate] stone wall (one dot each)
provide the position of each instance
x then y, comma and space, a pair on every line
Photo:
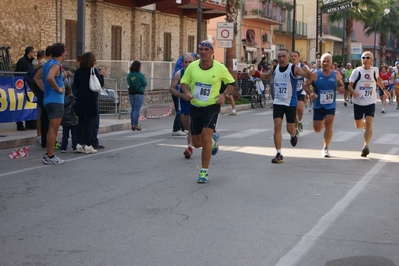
39, 23
150, 98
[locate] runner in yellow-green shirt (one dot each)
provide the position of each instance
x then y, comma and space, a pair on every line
201, 85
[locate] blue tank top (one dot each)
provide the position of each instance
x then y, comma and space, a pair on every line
325, 88
50, 95
181, 75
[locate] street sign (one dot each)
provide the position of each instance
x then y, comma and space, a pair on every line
225, 31
225, 44
340, 6
356, 50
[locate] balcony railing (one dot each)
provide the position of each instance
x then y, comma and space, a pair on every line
301, 29
264, 10
217, 2
336, 31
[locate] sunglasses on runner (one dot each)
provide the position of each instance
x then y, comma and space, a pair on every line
366, 57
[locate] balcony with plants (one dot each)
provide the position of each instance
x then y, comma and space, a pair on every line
271, 12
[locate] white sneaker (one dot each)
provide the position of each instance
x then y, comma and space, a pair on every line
178, 133
38, 141
89, 149
79, 148
325, 153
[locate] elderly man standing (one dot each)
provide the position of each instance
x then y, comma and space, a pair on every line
201, 84
363, 86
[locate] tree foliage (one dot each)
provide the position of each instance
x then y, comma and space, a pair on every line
355, 13
382, 23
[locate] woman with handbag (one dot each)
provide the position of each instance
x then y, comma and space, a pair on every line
137, 83
86, 86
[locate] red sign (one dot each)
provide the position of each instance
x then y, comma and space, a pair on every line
388, 54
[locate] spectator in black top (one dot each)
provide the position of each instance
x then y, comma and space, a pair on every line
25, 64
262, 66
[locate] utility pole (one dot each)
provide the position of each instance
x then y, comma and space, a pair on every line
80, 31
199, 21
293, 27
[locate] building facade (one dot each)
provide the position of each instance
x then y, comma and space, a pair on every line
147, 30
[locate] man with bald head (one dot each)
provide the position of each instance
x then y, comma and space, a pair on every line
325, 83
285, 97
183, 105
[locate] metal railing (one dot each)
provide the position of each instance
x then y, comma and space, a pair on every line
264, 9
337, 31
300, 27
157, 73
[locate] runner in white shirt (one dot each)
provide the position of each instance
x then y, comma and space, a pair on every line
395, 77
363, 86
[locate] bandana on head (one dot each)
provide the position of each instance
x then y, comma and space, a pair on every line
207, 44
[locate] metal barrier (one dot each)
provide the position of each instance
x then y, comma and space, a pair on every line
156, 72
108, 99
246, 84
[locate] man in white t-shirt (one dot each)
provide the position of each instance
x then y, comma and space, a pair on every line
395, 78
363, 87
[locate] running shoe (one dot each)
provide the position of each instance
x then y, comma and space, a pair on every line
215, 146
203, 176
350, 101
300, 127
188, 152
294, 140
365, 151
325, 153
345, 104
278, 158
233, 114
54, 160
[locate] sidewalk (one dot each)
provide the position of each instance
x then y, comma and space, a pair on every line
10, 137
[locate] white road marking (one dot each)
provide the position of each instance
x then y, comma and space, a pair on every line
392, 139
342, 136
80, 157
310, 238
246, 133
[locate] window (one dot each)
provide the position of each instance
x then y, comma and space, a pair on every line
279, 46
167, 46
190, 46
70, 38
116, 43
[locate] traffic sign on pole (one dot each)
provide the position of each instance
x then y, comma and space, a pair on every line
225, 44
225, 31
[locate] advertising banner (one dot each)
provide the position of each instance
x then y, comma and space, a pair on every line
13, 104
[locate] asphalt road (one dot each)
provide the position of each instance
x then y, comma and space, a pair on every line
137, 202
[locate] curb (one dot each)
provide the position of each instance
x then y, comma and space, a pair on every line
25, 141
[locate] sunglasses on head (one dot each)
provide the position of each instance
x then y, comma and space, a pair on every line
366, 57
